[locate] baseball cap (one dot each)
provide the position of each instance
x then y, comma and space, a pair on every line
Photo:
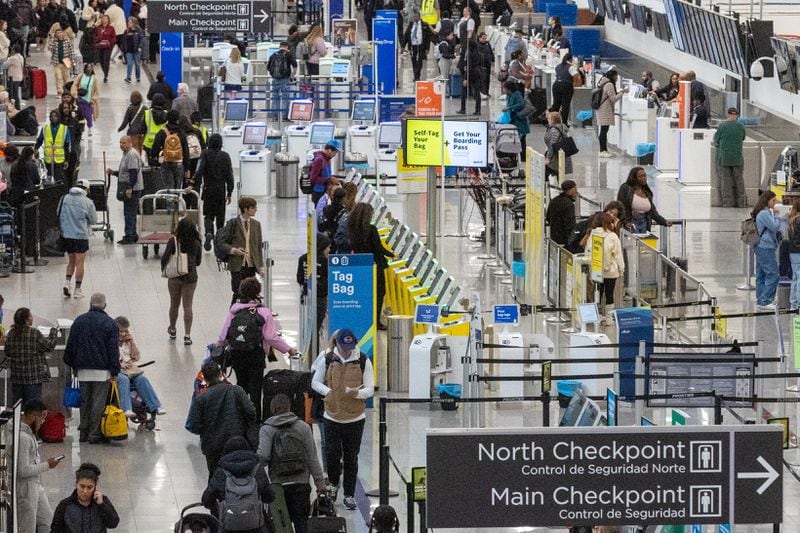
335, 144
347, 339
83, 184
733, 111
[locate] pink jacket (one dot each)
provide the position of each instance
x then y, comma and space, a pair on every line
269, 332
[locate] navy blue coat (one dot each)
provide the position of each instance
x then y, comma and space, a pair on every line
93, 343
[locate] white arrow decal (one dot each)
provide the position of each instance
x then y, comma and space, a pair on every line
264, 16
769, 474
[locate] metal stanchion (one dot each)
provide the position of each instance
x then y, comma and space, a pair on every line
487, 234
747, 260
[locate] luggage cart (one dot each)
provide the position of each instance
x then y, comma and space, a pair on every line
98, 194
159, 214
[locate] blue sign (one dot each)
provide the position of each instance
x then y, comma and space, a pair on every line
427, 314
391, 107
506, 314
351, 298
646, 422
386, 14
384, 54
611, 407
697, 528
172, 58
724, 528
335, 12
634, 324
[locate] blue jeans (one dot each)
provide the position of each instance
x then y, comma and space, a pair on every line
130, 209
766, 275
144, 388
280, 96
133, 58
639, 224
794, 294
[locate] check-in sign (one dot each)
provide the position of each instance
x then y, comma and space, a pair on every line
532, 477
429, 98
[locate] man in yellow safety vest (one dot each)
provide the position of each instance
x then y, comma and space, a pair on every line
56, 140
154, 120
429, 11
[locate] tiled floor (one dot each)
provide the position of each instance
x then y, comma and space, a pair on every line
152, 475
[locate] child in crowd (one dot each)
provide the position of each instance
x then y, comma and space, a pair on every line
128, 356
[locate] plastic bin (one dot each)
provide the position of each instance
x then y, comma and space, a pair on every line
566, 389
450, 393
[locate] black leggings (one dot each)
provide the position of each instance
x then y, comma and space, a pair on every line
250, 376
105, 60
604, 138
213, 212
607, 290
562, 99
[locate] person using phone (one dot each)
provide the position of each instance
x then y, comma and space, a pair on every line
33, 507
86, 510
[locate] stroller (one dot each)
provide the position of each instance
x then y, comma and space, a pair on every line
197, 522
507, 147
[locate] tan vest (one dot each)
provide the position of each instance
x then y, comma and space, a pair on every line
338, 404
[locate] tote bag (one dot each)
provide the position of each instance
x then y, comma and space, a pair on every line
114, 424
72, 394
178, 263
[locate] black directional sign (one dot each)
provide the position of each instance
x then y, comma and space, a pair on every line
228, 16
604, 476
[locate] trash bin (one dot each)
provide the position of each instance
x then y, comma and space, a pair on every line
401, 333
286, 175
450, 393
784, 293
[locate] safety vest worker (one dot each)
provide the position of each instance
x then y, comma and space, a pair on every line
429, 12
54, 148
203, 131
152, 129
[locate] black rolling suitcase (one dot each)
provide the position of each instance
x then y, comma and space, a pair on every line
27, 84
538, 99
293, 384
323, 517
205, 100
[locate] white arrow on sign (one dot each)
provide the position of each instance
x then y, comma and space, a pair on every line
264, 16
769, 474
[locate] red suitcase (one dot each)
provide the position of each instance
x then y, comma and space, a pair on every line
39, 82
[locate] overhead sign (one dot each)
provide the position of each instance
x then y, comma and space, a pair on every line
466, 144
506, 314
171, 56
209, 16
427, 314
559, 477
429, 98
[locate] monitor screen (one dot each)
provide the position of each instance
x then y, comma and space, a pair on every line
255, 134
587, 313
423, 262
441, 299
301, 110
411, 240
391, 133
224, 52
322, 133
364, 110
236, 110
340, 69
574, 409
433, 264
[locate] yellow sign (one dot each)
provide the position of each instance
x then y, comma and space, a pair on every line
597, 259
309, 248
720, 324
463, 144
410, 179
534, 227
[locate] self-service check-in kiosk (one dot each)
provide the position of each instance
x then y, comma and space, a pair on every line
589, 314
298, 135
430, 361
321, 134
361, 135
390, 138
254, 162
512, 342
235, 113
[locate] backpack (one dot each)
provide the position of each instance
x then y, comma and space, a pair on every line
305, 180
244, 332
437, 51
749, 232
278, 65
597, 96
242, 509
173, 149
575, 238
195, 149
223, 237
54, 428
288, 453
302, 50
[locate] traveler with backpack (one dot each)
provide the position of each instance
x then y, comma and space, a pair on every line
608, 97
250, 332
768, 225
26, 349
329, 221
181, 288
221, 412
445, 51
637, 199
134, 119
282, 67
338, 224
238, 489
317, 49
86, 510
286, 446
194, 139
321, 168
33, 507
171, 152
346, 382
239, 242
214, 179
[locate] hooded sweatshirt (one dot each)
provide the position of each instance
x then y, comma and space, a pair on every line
71, 516
289, 422
239, 464
78, 215
269, 331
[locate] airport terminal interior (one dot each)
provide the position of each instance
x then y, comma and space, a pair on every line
693, 280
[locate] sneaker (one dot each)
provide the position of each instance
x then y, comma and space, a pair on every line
66, 291
350, 503
484, 96
90, 133
606, 155
207, 244
161, 411
127, 80
334, 492
78, 294
130, 414
767, 307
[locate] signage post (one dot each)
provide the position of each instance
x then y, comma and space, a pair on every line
171, 56
384, 59
634, 325
537, 477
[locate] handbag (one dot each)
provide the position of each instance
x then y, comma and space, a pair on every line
114, 424
177, 264
222, 73
72, 394
567, 144
503, 118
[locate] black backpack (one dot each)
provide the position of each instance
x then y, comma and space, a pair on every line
288, 453
244, 332
574, 241
306, 187
278, 65
223, 237
597, 96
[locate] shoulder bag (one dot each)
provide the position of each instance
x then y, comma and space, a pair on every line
114, 423
177, 264
566, 143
